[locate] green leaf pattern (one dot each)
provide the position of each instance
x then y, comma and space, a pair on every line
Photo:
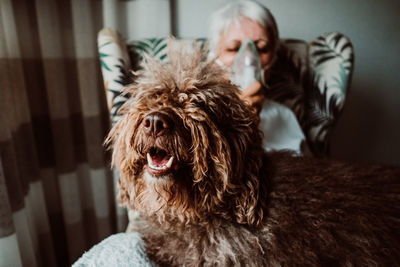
154, 47
332, 63
332, 59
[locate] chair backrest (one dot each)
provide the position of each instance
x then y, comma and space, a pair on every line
311, 78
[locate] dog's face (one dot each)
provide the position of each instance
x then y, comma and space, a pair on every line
187, 145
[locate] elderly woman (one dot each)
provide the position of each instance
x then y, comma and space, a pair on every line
237, 22
250, 23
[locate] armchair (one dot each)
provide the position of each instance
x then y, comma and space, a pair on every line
311, 78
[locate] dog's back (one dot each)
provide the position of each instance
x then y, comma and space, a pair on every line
329, 213
317, 213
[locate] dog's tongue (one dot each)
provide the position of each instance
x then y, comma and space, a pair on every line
160, 158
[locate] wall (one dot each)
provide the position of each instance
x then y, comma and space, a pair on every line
369, 129
137, 19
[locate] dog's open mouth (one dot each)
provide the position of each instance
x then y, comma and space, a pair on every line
159, 161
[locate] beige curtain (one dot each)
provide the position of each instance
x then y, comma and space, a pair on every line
56, 191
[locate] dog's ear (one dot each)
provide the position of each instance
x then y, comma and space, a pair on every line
247, 154
248, 203
227, 158
210, 155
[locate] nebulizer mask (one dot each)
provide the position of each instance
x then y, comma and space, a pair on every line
246, 67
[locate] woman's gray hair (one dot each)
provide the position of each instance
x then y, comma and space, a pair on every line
223, 18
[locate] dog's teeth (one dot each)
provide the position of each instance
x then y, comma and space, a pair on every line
149, 160
153, 166
169, 163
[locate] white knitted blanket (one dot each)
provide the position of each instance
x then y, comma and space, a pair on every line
122, 250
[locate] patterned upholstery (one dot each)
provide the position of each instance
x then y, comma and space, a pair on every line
311, 78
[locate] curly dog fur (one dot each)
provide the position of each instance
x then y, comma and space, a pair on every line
191, 163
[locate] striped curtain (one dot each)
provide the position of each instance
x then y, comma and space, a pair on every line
56, 191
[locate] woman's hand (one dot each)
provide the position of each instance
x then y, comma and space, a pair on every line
253, 95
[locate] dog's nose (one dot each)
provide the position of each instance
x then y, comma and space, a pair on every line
156, 123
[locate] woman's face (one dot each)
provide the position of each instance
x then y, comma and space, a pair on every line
229, 43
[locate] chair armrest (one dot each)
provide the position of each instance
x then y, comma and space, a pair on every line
115, 64
331, 63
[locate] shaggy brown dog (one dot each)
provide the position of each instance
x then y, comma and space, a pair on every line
191, 162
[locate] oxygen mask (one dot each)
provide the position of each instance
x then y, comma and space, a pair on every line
246, 67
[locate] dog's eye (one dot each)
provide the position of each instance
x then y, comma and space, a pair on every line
156, 94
